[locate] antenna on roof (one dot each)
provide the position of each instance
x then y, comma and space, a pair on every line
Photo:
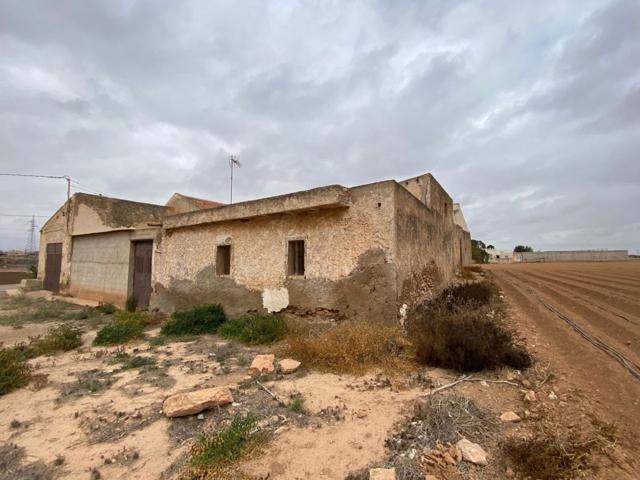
233, 162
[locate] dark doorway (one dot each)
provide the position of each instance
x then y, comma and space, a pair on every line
142, 254
52, 266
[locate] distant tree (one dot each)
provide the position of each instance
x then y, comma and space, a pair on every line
478, 251
490, 247
522, 248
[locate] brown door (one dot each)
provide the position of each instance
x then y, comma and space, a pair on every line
142, 272
53, 262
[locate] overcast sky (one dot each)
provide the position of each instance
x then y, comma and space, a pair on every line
528, 113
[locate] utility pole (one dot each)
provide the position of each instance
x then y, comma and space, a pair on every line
233, 162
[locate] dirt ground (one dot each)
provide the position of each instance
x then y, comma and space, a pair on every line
88, 414
602, 299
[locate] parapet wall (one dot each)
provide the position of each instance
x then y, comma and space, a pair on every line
573, 256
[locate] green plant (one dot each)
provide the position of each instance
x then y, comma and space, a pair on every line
478, 251
60, 338
132, 304
199, 320
106, 308
254, 328
228, 444
296, 404
522, 248
128, 362
14, 371
126, 326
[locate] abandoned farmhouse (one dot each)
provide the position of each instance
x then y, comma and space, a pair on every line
368, 251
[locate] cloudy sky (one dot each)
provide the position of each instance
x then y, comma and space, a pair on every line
528, 113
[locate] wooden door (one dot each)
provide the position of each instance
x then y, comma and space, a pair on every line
52, 267
143, 252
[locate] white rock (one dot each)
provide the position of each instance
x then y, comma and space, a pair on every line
288, 365
510, 417
553, 396
263, 364
183, 404
472, 452
530, 396
382, 474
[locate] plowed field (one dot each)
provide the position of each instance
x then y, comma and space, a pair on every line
585, 319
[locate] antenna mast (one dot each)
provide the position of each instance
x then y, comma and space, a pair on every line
233, 162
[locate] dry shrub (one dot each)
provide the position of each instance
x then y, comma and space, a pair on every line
442, 419
464, 329
352, 346
551, 455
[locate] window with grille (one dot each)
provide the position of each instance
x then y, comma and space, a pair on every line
296, 257
223, 260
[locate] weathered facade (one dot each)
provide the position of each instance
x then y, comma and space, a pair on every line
365, 252
87, 246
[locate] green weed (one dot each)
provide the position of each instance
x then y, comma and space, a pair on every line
254, 328
229, 444
197, 321
126, 326
14, 371
128, 362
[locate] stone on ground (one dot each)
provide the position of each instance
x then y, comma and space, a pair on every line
472, 452
263, 364
289, 365
510, 417
382, 474
183, 404
530, 396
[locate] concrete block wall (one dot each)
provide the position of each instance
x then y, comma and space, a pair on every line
573, 256
100, 267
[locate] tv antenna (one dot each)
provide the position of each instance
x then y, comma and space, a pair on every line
234, 161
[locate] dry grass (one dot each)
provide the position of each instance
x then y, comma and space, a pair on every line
444, 419
549, 454
351, 347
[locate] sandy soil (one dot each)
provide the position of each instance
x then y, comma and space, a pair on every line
603, 299
98, 416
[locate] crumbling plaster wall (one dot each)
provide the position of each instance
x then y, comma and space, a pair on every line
424, 252
346, 247
85, 214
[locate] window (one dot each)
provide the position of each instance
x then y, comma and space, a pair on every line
296, 257
223, 260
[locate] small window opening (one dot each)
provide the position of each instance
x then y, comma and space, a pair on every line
223, 260
445, 208
379, 204
296, 257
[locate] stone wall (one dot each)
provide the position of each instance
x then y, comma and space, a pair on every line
348, 253
425, 257
573, 256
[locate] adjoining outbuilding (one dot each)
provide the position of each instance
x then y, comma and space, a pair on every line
369, 252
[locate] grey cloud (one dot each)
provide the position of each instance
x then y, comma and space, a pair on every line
526, 113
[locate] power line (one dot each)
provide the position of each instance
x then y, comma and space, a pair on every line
32, 175
64, 177
22, 215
